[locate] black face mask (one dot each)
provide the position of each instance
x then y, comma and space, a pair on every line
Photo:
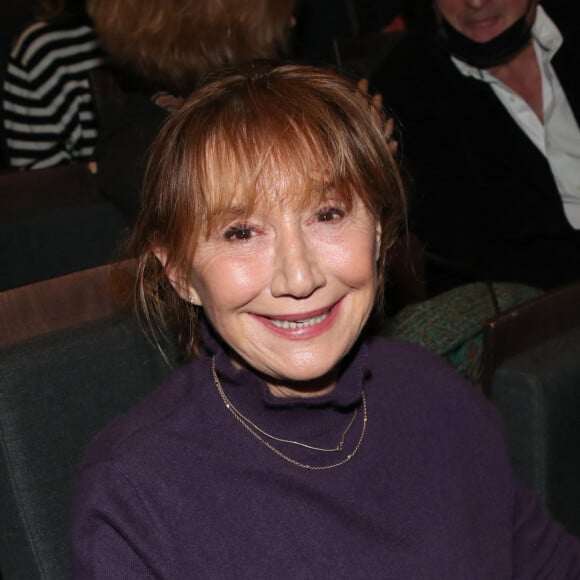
496, 51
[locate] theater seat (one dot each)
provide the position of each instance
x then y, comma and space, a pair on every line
532, 368
64, 301
53, 222
538, 395
56, 392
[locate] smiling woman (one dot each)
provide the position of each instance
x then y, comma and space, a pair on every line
293, 293
293, 444
281, 148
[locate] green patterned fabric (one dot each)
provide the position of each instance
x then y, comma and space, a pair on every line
450, 323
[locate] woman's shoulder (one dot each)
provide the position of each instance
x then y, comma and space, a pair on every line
420, 390
160, 411
44, 36
403, 360
414, 374
405, 355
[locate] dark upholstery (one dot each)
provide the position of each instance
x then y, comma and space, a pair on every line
538, 394
514, 330
405, 279
53, 222
56, 392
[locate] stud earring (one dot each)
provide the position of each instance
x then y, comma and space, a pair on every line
191, 299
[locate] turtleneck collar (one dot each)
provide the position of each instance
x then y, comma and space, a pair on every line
345, 395
307, 429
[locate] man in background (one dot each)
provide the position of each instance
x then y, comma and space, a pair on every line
488, 96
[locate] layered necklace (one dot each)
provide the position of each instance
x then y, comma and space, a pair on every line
262, 436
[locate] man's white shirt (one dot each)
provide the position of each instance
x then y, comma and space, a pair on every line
558, 137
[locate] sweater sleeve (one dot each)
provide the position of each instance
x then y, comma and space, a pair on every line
47, 106
114, 533
541, 546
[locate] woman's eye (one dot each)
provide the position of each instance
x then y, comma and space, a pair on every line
239, 232
329, 214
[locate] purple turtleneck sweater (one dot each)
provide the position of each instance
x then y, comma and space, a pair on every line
179, 489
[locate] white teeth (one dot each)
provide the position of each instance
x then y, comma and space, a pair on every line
286, 324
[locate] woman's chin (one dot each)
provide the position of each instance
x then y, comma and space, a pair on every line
302, 382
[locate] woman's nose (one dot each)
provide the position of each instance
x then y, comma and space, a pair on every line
476, 4
297, 269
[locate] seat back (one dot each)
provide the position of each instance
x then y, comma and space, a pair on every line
517, 329
451, 323
64, 301
405, 276
53, 222
531, 366
538, 394
56, 392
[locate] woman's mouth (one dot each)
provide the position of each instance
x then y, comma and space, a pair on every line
302, 326
292, 324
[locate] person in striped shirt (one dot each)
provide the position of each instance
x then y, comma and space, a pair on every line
48, 111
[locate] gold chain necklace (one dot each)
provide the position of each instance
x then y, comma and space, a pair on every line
252, 428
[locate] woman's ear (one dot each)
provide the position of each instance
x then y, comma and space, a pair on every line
185, 290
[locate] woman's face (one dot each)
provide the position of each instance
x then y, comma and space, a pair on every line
290, 290
482, 20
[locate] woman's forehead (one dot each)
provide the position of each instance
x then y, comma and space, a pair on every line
270, 156
271, 180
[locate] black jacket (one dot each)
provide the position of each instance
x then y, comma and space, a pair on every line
482, 195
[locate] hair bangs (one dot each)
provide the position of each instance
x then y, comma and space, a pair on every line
269, 154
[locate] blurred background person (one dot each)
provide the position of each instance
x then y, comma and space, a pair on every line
159, 51
488, 94
48, 111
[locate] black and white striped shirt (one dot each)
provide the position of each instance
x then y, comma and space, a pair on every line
47, 106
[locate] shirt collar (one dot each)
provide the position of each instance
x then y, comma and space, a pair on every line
544, 32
